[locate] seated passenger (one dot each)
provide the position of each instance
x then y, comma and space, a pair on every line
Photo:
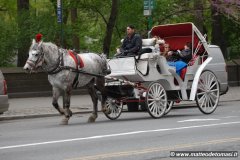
166, 50
132, 43
183, 57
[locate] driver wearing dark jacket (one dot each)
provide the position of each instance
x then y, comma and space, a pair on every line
132, 43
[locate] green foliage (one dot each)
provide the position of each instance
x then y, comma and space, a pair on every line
7, 42
232, 34
90, 26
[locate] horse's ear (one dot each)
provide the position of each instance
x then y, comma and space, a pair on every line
40, 43
33, 41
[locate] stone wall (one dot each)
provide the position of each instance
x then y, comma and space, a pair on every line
21, 84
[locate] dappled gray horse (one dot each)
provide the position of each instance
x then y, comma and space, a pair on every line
62, 66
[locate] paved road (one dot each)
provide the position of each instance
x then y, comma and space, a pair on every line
133, 136
42, 107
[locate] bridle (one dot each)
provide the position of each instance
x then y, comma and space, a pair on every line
38, 62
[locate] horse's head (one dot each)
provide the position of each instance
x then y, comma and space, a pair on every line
35, 57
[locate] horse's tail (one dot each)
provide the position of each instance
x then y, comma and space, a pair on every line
106, 68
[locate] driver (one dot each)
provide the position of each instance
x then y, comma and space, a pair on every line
132, 43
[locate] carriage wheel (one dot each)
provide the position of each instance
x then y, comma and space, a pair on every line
115, 108
207, 96
169, 107
156, 100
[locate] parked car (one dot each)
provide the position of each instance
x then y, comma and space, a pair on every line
218, 67
3, 94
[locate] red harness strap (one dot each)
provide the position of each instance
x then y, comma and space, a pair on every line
77, 59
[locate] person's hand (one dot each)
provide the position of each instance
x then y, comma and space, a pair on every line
170, 53
118, 51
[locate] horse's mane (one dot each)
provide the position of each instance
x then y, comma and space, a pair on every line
50, 44
50, 47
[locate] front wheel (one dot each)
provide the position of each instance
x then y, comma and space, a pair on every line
207, 96
114, 107
156, 100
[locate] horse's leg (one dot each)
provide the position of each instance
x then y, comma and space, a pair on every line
100, 82
93, 94
56, 94
66, 105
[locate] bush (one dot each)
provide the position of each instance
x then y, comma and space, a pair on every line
8, 42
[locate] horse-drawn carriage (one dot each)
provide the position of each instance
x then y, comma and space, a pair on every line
147, 79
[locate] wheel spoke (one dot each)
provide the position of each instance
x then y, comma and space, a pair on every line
208, 92
204, 100
213, 97
211, 101
213, 85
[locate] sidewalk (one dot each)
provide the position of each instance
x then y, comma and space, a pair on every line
42, 106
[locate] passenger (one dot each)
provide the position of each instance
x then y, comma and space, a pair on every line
183, 57
132, 43
166, 50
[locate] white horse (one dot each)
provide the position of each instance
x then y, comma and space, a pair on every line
63, 69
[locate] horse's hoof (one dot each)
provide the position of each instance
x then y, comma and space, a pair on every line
92, 119
67, 112
70, 113
61, 111
64, 121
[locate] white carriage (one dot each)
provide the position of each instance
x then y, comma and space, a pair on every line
149, 80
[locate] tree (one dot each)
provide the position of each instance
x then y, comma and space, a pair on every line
217, 31
110, 26
228, 8
23, 31
198, 15
74, 17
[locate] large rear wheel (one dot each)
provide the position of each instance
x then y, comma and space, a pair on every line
207, 96
156, 100
169, 107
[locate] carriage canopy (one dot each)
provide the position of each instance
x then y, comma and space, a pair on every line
178, 34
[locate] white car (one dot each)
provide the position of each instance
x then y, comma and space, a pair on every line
3, 94
218, 67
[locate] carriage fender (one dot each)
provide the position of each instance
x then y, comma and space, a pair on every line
196, 78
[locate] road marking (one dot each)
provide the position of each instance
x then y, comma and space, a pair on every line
155, 149
198, 120
115, 135
231, 117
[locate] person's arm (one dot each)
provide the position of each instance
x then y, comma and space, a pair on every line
186, 55
124, 43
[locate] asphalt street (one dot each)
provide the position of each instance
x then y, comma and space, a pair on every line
42, 106
134, 136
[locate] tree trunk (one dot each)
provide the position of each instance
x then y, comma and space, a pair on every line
75, 38
110, 26
61, 40
23, 34
198, 15
217, 32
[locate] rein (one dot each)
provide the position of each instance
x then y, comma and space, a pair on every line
59, 65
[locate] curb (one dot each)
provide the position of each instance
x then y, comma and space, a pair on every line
16, 117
